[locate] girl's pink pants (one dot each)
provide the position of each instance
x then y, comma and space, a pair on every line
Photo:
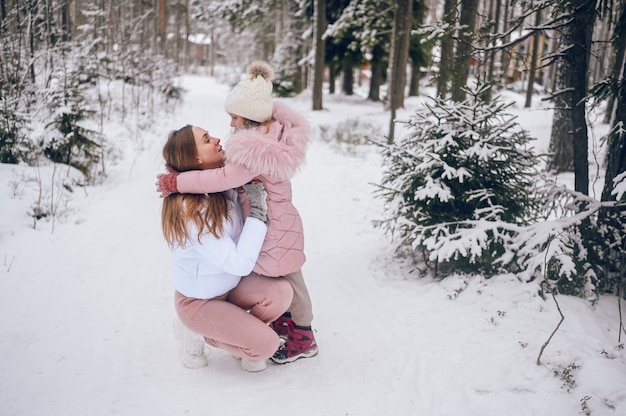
237, 321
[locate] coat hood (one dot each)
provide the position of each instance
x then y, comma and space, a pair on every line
278, 152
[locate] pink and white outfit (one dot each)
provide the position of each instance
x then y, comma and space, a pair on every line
273, 154
214, 301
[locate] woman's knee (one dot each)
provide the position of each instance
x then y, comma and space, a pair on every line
270, 345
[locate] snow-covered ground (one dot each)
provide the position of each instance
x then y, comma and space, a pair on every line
86, 310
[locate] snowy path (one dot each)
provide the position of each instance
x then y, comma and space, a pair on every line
85, 320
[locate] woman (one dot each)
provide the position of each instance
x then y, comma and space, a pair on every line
212, 248
269, 143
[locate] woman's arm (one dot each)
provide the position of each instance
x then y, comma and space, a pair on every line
234, 258
213, 180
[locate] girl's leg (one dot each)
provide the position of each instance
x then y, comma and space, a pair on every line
265, 297
301, 308
227, 326
300, 342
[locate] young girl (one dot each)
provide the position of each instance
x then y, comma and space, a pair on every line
269, 143
212, 248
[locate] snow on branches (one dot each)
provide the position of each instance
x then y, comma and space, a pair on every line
458, 183
462, 193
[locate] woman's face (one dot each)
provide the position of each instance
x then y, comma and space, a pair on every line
236, 122
210, 153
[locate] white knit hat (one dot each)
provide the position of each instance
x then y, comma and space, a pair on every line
251, 98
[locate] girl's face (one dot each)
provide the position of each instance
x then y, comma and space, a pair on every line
210, 153
236, 122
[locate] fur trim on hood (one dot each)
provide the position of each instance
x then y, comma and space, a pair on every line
279, 153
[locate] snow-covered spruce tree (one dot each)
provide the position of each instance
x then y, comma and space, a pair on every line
15, 142
15, 145
67, 141
459, 184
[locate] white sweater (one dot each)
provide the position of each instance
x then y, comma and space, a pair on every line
213, 266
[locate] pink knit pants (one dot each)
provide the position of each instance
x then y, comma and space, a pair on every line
237, 321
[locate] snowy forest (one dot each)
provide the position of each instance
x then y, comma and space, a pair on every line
443, 225
462, 192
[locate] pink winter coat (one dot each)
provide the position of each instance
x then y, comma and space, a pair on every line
273, 157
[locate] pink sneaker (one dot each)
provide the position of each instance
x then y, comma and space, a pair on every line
300, 343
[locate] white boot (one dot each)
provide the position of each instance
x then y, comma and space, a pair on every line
190, 346
253, 366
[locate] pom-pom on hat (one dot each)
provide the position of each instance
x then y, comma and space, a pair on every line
251, 98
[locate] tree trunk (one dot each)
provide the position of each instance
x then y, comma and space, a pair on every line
31, 46
402, 34
212, 53
398, 59
414, 85
612, 222
491, 60
389, 98
578, 54
318, 68
571, 89
533, 63
186, 53
616, 153
463, 49
561, 147
445, 61
377, 73
348, 78
162, 26
618, 61
65, 21
504, 57
616, 156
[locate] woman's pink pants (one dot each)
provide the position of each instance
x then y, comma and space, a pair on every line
237, 321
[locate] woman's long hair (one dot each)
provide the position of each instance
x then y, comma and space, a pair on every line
207, 211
